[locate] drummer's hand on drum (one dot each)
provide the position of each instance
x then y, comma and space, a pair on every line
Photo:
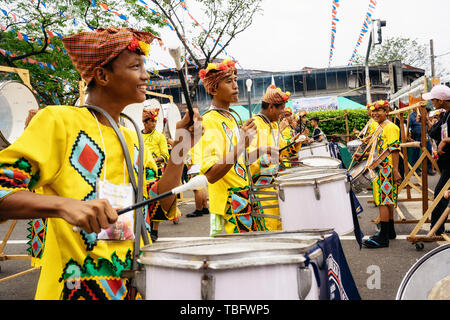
247, 133
90, 216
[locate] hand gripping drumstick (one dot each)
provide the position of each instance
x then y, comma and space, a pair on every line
299, 139
176, 54
197, 182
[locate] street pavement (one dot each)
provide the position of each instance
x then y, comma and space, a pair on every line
389, 265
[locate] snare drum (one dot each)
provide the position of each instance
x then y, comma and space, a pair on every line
231, 269
315, 200
321, 162
16, 99
361, 177
321, 149
422, 280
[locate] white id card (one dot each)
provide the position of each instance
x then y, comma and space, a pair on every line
119, 196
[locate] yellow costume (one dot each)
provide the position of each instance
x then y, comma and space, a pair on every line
64, 151
156, 142
384, 187
229, 201
262, 171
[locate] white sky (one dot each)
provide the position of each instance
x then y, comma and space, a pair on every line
292, 34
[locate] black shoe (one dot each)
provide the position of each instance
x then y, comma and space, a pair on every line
205, 211
391, 234
194, 214
154, 235
375, 242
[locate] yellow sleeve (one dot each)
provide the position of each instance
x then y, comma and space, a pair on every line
164, 147
211, 144
36, 157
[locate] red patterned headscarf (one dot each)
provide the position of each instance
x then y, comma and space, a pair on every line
149, 113
89, 50
274, 95
214, 73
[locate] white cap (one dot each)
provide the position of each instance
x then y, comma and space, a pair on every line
440, 92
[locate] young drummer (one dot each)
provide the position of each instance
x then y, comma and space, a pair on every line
73, 153
223, 145
384, 155
268, 134
156, 143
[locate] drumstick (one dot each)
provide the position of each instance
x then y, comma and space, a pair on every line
300, 139
198, 182
176, 54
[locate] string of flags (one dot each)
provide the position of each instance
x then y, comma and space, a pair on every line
365, 28
334, 20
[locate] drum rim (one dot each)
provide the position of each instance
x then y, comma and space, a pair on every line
327, 179
314, 145
416, 266
154, 255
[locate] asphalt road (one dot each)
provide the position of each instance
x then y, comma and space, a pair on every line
392, 263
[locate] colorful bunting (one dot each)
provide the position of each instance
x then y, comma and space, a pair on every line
334, 19
365, 28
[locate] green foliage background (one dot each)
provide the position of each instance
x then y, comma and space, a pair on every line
357, 119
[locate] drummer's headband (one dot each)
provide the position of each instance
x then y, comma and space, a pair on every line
216, 72
275, 95
380, 104
150, 114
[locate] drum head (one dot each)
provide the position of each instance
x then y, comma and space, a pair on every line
173, 116
134, 111
322, 162
425, 274
15, 101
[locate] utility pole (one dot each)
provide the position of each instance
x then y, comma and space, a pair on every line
433, 71
373, 40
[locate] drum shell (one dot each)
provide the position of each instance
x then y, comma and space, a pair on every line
320, 149
246, 274
300, 208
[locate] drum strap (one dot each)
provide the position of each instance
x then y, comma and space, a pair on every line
137, 185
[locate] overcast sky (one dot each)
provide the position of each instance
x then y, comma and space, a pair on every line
292, 34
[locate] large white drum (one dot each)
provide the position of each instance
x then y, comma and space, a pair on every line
321, 162
257, 268
16, 99
353, 145
321, 149
316, 200
422, 281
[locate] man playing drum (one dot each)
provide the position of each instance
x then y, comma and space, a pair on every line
383, 158
223, 146
264, 169
74, 154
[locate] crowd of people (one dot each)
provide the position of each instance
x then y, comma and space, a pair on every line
68, 156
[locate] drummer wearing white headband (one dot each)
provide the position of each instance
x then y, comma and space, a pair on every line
440, 132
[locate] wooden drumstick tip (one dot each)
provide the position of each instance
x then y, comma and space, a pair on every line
176, 55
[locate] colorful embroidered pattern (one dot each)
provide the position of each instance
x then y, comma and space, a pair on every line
16, 176
240, 171
87, 158
229, 134
238, 216
37, 230
101, 281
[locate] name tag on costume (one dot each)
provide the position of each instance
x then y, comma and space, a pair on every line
119, 196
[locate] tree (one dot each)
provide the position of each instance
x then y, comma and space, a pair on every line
409, 51
225, 19
31, 32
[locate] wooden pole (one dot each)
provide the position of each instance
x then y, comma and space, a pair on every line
423, 144
347, 138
